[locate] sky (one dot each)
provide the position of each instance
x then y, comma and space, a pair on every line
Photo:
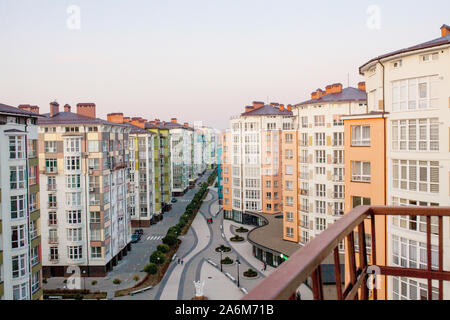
196, 60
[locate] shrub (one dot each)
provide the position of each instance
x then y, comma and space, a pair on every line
241, 230
117, 281
157, 257
78, 296
94, 282
223, 248
227, 260
151, 268
136, 278
250, 273
163, 248
237, 239
174, 230
170, 239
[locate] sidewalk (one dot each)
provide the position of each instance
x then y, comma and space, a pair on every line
217, 286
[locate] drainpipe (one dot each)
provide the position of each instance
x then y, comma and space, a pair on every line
86, 194
30, 272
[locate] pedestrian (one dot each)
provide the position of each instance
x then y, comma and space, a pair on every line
211, 221
178, 260
265, 267
181, 261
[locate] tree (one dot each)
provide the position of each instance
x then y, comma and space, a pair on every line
157, 257
151, 268
170, 239
164, 248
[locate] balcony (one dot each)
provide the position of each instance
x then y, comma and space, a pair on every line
306, 262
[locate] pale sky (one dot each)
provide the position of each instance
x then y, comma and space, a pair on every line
196, 59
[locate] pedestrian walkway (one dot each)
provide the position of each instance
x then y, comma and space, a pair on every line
217, 286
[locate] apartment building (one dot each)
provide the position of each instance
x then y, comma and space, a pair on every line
409, 95
252, 173
181, 150
162, 167
210, 139
199, 151
313, 179
83, 162
20, 231
142, 173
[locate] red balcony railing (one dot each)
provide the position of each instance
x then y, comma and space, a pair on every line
306, 262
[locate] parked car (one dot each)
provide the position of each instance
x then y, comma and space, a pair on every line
139, 231
173, 200
135, 238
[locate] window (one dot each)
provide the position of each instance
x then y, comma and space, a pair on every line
320, 156
360, 136
18, 236
50, 146
289, 185
321, 224
96, 252
52, 219
338, 139
74, 234
288, 138
33, 230
410, 289
414, 94
320, 190
361, 171
73, 216
52, 200
75, 252
289, 154
429, 57
321, 207
96, 235
289, 232
32, 175
34, 257
95, 217
94, 199
94, 163
53, 254
338, 156
51, 165
360, 201
339, 192
304, 238
289, 201
35, 283
413, 254
319, 121
338, 174
412, 175
320, 171
415, 135
20, 291
73, 181
320, 139
338, 208
72, 163
16, 147
73, 145
51, 183
414, 223
289, 170
289, 216
73, 198
18, 207
17, 176
19, 266
305, 122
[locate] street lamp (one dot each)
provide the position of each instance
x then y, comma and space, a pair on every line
220, 250
238, 263
84, 279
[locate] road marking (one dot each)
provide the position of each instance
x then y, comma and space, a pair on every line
148, 237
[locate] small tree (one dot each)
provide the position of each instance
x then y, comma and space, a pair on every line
158, 257
170, 239
163, 248
151, 268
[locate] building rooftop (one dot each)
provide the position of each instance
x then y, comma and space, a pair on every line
72, 118
270, 236
267, 110
13, 110
346, 95
429, 44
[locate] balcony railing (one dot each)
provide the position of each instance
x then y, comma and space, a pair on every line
283, 283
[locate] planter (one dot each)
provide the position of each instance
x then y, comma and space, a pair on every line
237, 239
224, 249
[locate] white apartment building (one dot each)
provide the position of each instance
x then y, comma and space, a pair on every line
199, 151
83, 163
412, 86
320, 176
20, 241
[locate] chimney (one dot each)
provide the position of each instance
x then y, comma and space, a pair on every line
289, 107
329, 89
445, 30
126, 120
67, 108
138, 122
320, 93
86, 109
54, 108
336, 88
257, 104
274, 104
27, 107
281, 107
362, 86
248, 108
314, 95
173, 120
186, 124
115, 117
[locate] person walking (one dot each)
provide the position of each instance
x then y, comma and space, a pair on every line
178, 260
181, 261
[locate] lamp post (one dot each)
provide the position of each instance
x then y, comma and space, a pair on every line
220, 250
84, 279
238, 263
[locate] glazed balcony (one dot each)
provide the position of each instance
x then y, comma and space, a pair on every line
306, 262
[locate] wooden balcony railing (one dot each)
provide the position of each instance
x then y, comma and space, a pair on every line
283, 282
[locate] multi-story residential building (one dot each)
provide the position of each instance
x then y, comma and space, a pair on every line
220, 170
20, 230
84, 182
199, 151
403, 158
142, 193
252, 174
210, 143
313, 182
181, 150
162, 167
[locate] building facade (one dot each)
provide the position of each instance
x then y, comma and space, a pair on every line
20, 227
83, 162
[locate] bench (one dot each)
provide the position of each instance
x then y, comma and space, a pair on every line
141, 290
